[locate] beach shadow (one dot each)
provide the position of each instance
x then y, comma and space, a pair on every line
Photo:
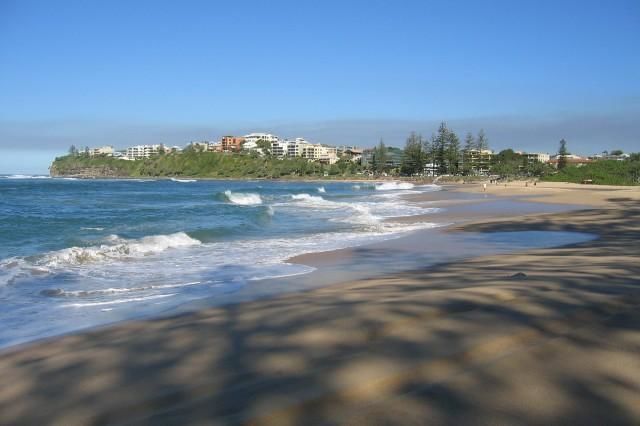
458, 343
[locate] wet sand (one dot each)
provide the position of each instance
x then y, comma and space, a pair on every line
543, 336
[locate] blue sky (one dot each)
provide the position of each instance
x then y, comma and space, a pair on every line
529, 73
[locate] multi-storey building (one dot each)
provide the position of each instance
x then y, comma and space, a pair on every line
328, 155
279, 148
251, 140
535, 156
477, 161
200, 146
143, 151
103, 150
232, 143
214, 147
296, 147
569, 159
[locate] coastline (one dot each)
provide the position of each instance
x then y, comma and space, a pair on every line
422, 343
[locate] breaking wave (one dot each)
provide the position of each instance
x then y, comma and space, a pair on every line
27, 177
243, 199
390, 186
118, 249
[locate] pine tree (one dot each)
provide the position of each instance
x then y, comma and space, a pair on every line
481, 143
469, 145
427, 150
381, 157
413, 158
453, 153
440, 148
562, 155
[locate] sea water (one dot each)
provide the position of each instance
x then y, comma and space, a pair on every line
82, 253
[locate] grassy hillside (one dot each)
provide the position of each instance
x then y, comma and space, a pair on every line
609, 172
193, 164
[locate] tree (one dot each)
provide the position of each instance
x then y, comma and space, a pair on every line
440, 143
413, 157
427, 150
506, 163
380, 157
469, 145
73, 150
265, 146
562, 155
453, 153
617, 152
482, 144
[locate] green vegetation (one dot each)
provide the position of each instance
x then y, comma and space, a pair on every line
200, 164
414, 157
380, 158
562, 153
440, 155
604, 172
508, 163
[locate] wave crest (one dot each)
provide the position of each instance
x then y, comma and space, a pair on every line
184, 180
390, 186
120, 248
243, 199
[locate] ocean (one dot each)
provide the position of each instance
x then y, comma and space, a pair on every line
82, 253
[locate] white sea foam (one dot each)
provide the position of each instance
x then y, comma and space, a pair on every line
244, 199
91, 228
57, 292
369, 214
117, 301
322, 190
390, 186
27, 177
311, 199
184, 180
119, 248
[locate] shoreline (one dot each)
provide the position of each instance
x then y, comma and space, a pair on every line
348, 351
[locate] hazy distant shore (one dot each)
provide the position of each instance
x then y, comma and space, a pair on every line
540, 336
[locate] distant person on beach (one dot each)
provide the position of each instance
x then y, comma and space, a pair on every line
484, 187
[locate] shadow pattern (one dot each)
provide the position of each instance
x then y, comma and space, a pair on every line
451, 344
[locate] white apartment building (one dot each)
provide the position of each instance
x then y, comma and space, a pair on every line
251, 140
321, 153
214, 147
143, 151
535, 156
200, 146
103, 150
296, 147
279, 148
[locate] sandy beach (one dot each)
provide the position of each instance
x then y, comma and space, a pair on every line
543, 336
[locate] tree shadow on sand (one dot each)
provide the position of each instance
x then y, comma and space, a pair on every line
455, 343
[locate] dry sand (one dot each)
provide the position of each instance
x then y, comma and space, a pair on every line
460, 343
